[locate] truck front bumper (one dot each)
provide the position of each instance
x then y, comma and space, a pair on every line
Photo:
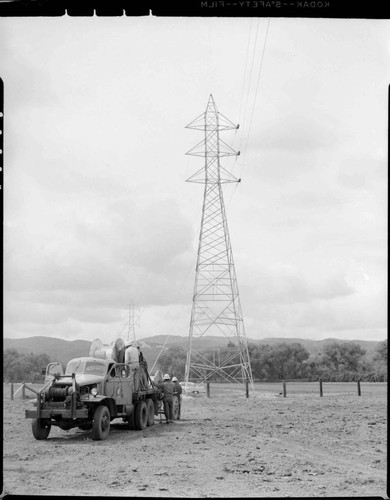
53, 412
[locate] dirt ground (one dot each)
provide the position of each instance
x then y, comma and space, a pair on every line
302, 445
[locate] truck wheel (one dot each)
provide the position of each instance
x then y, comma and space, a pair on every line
131, 421
141, 416
175, 407
150, 408
40, 428
101, 423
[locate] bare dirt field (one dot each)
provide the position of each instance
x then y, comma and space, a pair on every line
302, 445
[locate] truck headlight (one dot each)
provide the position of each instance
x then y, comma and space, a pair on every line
94, 391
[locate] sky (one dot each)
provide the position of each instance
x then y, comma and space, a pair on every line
98, 216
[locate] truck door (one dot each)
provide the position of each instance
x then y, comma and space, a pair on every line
52, 370
119, 384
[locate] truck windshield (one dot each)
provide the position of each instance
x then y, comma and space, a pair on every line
90, 367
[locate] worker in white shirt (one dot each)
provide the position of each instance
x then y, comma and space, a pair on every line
132, 358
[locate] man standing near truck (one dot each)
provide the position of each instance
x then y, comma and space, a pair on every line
132, 358
168, 388
178, 390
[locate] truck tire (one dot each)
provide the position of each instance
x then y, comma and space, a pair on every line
131, 421
101, 423
150, 408
175, 407
40, 428
141, 416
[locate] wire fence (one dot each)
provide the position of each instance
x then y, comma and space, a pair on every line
17, 390
297, 389
22, 390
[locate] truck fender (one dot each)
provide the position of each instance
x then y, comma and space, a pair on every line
110, 403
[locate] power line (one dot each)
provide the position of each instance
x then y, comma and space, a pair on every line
250, 80
244, 151
245, 68
257, 88
161, 350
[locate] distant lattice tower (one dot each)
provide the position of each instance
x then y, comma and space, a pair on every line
132, 324
216, 308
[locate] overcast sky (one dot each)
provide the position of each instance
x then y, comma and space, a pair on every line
97, 211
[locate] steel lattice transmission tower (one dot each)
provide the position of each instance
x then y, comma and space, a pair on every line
132, 324
216, 305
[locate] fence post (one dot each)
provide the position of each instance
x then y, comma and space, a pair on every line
284, 389
208, 389
247, 388
358, 387
12, 391
321, 387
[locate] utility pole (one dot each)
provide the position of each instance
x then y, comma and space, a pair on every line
132, 323
216, 308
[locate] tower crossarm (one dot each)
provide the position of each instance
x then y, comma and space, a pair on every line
212, 147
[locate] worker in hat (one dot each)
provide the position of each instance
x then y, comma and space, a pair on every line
132, 358
178, 390
168, 388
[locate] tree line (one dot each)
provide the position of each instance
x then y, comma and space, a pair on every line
23, 367
338, 362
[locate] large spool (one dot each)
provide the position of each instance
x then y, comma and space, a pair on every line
96, 345
113, 352
99, 350
119, 348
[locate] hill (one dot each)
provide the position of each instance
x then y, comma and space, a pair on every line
63, 350
57, 349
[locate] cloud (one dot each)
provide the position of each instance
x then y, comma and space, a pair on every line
353, 317
93, 243
363, 172
97, 212
287, 285
296, 132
